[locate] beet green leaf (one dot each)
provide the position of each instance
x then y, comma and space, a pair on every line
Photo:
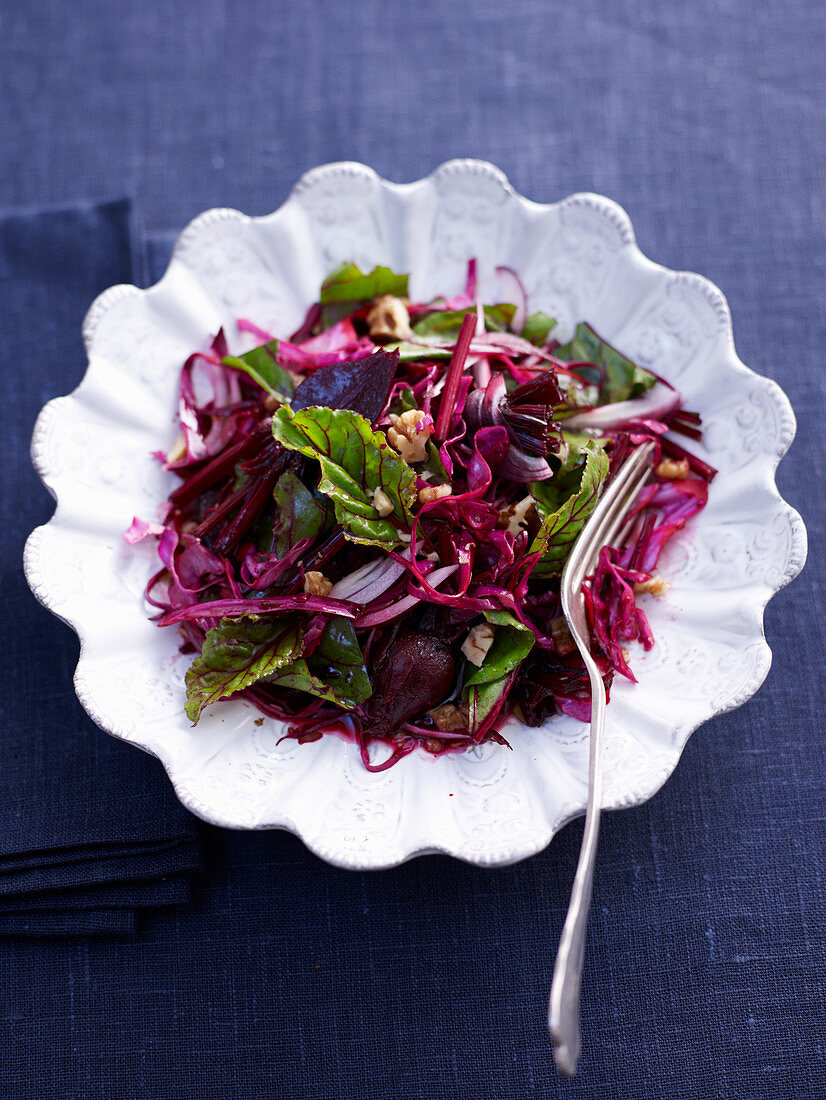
349, 284
335, 670
537, 327
561, 527
445, 323
259, 363
299, 515
512, 642
236, 654
623, 379
355, 461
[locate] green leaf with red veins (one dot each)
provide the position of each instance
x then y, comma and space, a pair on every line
236, 654
355, 461
560, 528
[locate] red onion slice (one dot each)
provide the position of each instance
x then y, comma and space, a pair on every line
367, 583
376, 618
656, 404
513, 290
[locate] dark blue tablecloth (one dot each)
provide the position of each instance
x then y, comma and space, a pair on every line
286, 978
90, 831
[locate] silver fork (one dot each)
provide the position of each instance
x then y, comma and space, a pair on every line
605, 523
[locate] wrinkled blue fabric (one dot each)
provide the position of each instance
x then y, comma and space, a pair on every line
287, 978
90, 832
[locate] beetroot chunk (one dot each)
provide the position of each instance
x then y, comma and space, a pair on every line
416, 672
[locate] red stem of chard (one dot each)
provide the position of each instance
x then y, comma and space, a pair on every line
453, 376
248, 513
334, 542
220, 512
218, 467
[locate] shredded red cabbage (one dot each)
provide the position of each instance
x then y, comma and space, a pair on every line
373, 515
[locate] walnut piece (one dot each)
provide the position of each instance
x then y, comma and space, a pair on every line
563, 639
514, 518
316, 584
178, 449
477, 643
433, 492
406, 437
673, 469
449, 717
654, 586
388, 319
382, 502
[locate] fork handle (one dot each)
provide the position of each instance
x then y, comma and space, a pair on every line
563, 1006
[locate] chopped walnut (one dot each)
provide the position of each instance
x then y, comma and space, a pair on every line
477, 643
311, 735
654, 586
433, 492
382, 502
388, 319
316, 584
178, 449
449, 717
673, 469
407, 438
272, 402
563, 639
514, 518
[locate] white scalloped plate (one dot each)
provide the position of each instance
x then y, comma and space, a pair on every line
579, 261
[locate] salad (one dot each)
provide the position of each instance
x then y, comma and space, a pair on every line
373, 515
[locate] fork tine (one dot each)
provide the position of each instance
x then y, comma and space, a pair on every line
624, 504
607, 517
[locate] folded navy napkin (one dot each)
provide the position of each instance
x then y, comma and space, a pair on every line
91, 834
